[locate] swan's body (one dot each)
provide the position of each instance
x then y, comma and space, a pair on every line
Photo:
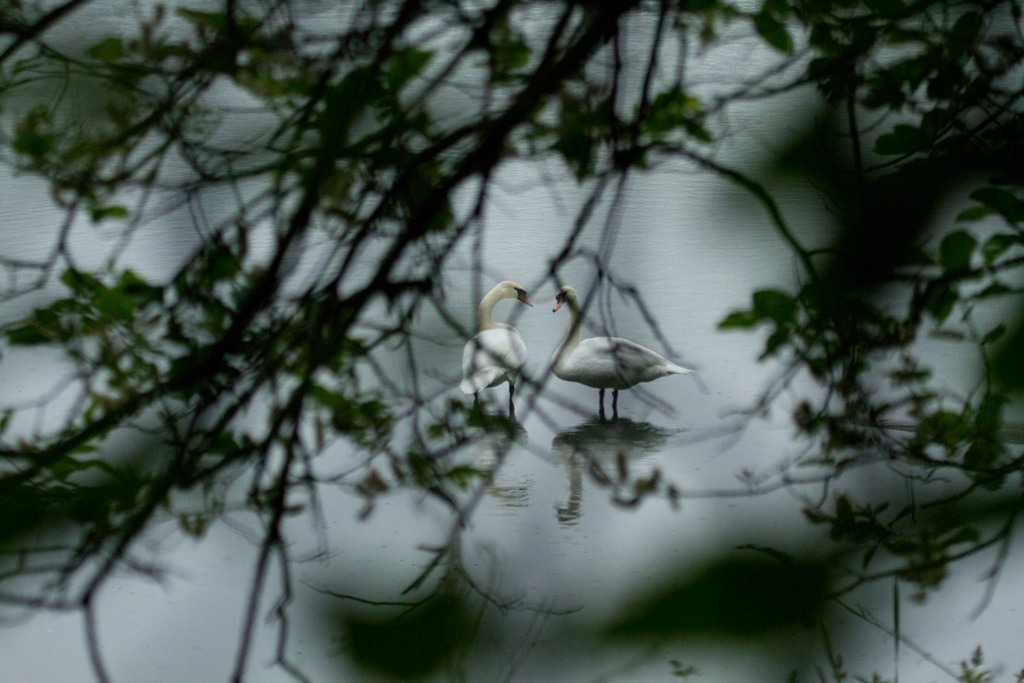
496, 353
492, 357
605, 362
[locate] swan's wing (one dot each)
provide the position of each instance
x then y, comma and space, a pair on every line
475, 382
625, 361
635, 358
491, 357
500, 346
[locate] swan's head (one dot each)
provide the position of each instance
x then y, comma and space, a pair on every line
566, 294
513, 290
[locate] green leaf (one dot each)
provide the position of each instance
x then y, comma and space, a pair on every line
27, 335
943, 427
910, 376
989, 415
994, 289
213, 20
778, 8
1004, 202
110, 49
81, 282
773, 31
224, 264
510, 54
903, 139
955, 251
940, 301
463, 477
345, 102
671, 109
411, 645
767, 304
1009, 361
886, 8
99, 213
115, 304
974, 213
137, 288
995, 334
405, 65
775, 341
34, 136
703, 6
959, 41
738, 319
774, 304
577, 147
997, 244
327, 398
733, 598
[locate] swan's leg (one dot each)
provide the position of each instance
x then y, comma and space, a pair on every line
615, 404
511, 405
600, 395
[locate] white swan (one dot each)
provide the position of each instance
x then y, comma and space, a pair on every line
496, 353
604, 362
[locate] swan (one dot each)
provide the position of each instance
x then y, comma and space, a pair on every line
604, 362
496, 353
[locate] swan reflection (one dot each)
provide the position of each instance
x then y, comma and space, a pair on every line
492, 448
599, 445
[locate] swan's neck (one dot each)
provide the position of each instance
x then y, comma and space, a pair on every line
484, 319
572, 337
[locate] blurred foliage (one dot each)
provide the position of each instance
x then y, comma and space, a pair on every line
414, 644
340, 164
735, 598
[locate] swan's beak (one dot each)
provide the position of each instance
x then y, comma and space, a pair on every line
558, 304
522, 297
